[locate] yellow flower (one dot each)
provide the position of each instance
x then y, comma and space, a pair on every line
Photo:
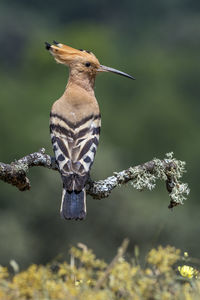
185, 254
78, 282
187, 271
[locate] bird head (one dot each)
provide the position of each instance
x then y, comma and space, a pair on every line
79, 60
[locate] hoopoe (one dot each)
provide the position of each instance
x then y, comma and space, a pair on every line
75, 123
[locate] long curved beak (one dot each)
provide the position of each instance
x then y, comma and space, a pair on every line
108, 69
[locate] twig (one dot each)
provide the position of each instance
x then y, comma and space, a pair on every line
120, 253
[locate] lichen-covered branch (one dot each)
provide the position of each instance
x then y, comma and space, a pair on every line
140, 177
16, 172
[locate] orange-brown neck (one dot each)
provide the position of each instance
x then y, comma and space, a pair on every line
82, 79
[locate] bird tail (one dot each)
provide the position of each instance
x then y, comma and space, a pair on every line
73, 205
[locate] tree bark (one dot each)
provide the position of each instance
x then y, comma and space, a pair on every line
142, 176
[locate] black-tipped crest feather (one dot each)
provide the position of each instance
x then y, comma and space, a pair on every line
47, 45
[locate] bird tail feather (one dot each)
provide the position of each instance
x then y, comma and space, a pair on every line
73, 205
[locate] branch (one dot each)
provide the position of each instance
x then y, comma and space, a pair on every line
16, 172
142, 176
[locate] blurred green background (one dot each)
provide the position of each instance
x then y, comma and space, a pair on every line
155, 41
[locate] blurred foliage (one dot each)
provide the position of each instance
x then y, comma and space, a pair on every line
160, 278
155, 41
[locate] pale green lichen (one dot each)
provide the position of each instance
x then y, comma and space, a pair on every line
179, 192
169, 169
21, 167
144, 180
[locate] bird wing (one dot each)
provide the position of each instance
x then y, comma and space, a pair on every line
75, 145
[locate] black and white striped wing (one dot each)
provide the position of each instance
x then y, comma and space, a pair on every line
75, 146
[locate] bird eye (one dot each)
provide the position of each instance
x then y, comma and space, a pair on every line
87, 64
